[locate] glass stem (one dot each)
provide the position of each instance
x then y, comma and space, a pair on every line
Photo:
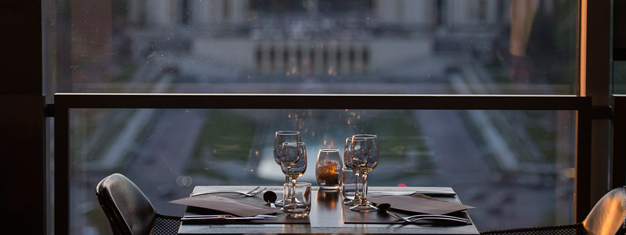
357, 193
364, 190
290, 179
292, 190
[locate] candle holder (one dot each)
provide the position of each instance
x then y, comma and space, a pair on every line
328, 169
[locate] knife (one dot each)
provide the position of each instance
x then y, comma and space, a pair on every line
225, 217
427, 193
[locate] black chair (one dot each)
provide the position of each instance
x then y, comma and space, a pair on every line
606, 218
128, 209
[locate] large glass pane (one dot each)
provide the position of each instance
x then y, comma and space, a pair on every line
619, 77
515, 167
314, 46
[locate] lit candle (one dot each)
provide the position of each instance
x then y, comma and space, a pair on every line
328, 173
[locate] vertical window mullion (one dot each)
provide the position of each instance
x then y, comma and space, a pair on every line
594, 82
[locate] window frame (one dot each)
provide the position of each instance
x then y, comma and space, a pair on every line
618, 135
28, 86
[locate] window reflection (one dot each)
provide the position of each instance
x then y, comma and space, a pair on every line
516, 166
511, 165
315, 46
619, 77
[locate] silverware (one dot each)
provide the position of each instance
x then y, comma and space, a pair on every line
438, 216
225, 217
270, 197
384, 208
250, 193
427, 193
222, 218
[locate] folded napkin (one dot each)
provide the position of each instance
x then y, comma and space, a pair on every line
420, 203
227, 205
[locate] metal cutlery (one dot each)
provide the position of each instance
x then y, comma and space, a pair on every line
448, 219
427, 193
384, 208
432, 216
225, 217
429, 217
250, 193
270, 197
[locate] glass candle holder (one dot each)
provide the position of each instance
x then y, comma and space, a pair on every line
328, 168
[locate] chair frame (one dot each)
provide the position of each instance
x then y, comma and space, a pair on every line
115, 217
573, 229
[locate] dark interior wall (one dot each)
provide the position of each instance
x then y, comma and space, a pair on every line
619, 30
22, 128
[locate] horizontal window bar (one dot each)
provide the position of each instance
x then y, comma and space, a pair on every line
321, 101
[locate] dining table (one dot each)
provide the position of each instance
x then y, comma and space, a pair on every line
328, 215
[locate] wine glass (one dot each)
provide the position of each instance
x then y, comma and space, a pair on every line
364, 153
347, 161
293, 160
293, 164
281, 137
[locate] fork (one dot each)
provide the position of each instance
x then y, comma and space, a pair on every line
436, 217
250, 193
411, 219
226, 217
384, 208
429, 215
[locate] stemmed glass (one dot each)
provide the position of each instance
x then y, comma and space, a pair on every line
279, 138
364, 153
347, 161
293, 160
293, 163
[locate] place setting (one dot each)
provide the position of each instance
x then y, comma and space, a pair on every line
389, 207
267, 205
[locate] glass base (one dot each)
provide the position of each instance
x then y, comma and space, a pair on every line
298, 215
278, 203
366, 207
350, 202
330, 187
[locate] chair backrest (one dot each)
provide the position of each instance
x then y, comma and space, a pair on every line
129, 211
607, 216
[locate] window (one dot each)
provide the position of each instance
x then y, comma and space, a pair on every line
619, 77
315, 47
362, 47
506, 164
